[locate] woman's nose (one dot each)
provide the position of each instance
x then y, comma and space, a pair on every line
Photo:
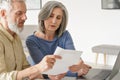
54, 20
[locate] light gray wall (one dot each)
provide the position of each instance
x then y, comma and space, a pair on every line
89, 25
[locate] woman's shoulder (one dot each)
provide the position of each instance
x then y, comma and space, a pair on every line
31, 37
66, 33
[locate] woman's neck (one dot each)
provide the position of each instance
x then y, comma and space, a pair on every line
46, 36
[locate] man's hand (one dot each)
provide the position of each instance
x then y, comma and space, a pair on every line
47, 62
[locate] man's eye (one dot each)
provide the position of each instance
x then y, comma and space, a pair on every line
19, 13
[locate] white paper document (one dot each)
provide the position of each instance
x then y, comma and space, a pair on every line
69, 58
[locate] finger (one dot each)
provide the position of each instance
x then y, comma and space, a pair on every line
64, 73
57, 56
89, 66
85, 72
80, 62
82, 72
73, 69
56, 78
50, 65
50, 58
53, 57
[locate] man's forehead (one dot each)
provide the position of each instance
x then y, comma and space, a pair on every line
13, 0
19, 7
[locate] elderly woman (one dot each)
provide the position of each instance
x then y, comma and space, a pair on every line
52, 22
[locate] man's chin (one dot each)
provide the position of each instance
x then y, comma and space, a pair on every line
20, 29
20, 26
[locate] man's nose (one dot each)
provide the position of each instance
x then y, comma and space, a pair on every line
24, 17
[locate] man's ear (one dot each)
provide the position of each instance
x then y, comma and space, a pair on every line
2, 13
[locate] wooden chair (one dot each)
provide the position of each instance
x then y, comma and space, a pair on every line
105, 49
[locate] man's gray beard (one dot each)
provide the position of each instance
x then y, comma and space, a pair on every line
15, 28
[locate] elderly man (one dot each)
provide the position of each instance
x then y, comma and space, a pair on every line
13, 63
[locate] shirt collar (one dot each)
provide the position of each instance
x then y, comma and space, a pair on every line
7, 34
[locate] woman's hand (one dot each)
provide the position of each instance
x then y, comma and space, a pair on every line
47, 62
81, 68
57, 77
84, 70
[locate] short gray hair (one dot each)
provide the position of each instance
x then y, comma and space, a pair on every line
46, 12
7, 4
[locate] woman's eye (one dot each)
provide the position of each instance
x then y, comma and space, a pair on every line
51, 15
58, 17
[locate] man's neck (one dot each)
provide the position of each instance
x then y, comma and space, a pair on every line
11, 32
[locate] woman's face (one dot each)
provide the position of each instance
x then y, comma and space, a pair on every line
53, 22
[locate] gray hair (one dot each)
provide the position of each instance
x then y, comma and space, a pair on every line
7, 4
46, 12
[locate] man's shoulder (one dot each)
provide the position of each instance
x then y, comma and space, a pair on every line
2, 39
1, 33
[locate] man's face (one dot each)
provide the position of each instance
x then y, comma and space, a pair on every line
17, 15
